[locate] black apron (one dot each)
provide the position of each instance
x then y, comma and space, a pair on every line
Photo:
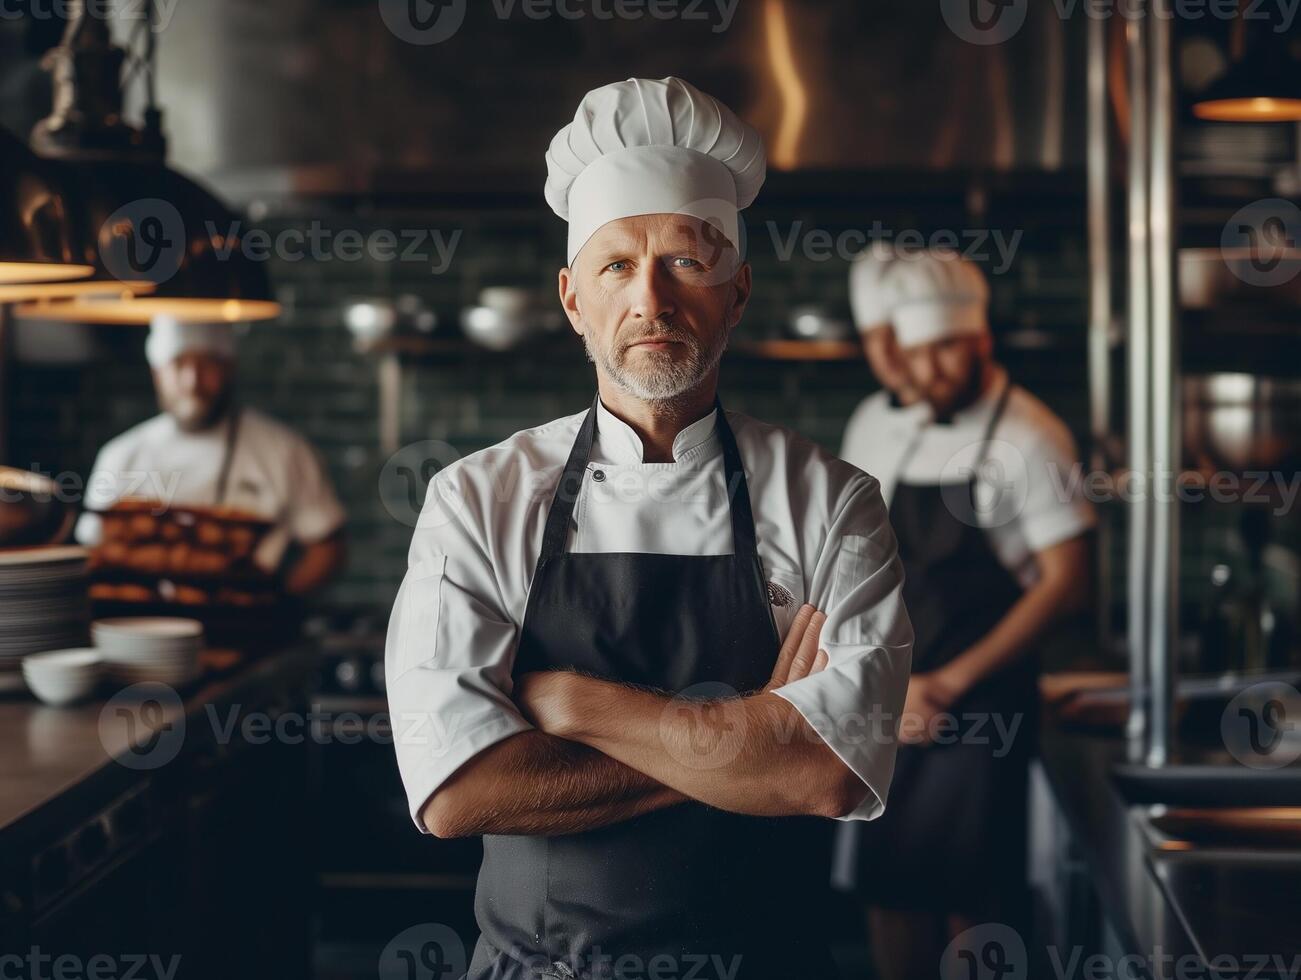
697, 885
953, 835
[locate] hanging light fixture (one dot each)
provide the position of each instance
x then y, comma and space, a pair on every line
1263, 83
143, 220
36, 240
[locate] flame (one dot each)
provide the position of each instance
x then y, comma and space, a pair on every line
795, 101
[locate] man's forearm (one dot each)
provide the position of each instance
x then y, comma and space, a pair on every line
535, 783
754, 755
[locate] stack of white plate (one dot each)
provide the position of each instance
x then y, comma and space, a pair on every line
160, 649
43, 605
63, 676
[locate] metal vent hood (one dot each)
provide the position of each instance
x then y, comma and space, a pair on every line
325, 97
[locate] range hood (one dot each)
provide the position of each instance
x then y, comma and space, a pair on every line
321, 97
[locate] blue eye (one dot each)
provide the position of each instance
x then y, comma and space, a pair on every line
689, 262
616, 266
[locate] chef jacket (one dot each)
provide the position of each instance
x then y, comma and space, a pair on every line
274, 473
823, 537
1029, 492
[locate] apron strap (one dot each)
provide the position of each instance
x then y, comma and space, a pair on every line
571, 483
228, 455
994, 419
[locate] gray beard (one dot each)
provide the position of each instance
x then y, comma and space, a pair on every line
665, 378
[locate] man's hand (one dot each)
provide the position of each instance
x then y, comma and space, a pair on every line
799, 655
929, 695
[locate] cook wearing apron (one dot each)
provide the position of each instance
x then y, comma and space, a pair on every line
203, 449
982, 521
668, 576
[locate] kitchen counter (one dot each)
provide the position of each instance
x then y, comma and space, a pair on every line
50, 753
174, 824
1220, 911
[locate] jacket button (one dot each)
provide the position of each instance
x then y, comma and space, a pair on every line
598, 475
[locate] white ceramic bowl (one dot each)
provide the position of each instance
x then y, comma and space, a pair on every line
62, 677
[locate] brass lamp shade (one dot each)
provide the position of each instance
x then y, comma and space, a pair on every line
148, 223
37, 241
1250, 92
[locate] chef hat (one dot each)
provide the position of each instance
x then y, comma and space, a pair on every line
652, 146
933, 295
169, 338
871, 295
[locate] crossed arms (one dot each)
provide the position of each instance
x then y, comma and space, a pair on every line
601, 752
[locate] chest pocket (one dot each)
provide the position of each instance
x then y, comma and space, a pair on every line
786, 594
851, 573
419, 606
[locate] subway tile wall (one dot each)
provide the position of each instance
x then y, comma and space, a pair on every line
305, 370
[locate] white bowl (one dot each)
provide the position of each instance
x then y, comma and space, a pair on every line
63, 677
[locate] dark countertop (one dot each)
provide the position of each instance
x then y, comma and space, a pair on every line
52, 755
1235, 907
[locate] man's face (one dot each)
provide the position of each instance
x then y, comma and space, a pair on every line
947, 373
194, 388
888, 364
655, 298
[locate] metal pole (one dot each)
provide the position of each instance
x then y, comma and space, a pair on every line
1100, 301
1163, 626
1137, 376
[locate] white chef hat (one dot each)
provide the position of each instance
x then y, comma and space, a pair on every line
871, 295
931, 295
652, 146
169, 338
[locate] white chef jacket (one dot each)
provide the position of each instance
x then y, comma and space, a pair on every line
1029, 494
822, 532
274, 473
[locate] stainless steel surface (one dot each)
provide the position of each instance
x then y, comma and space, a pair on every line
1163, 579
1239, 422
1139, 333
257, 94
1098, 164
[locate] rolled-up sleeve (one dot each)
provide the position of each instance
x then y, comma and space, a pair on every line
448, 653
854, 704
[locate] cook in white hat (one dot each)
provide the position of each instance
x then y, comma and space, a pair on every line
871, 298
994, 543
204, 448
640, 616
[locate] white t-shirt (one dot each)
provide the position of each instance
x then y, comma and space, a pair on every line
822, 535
274, 473
1029, 491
